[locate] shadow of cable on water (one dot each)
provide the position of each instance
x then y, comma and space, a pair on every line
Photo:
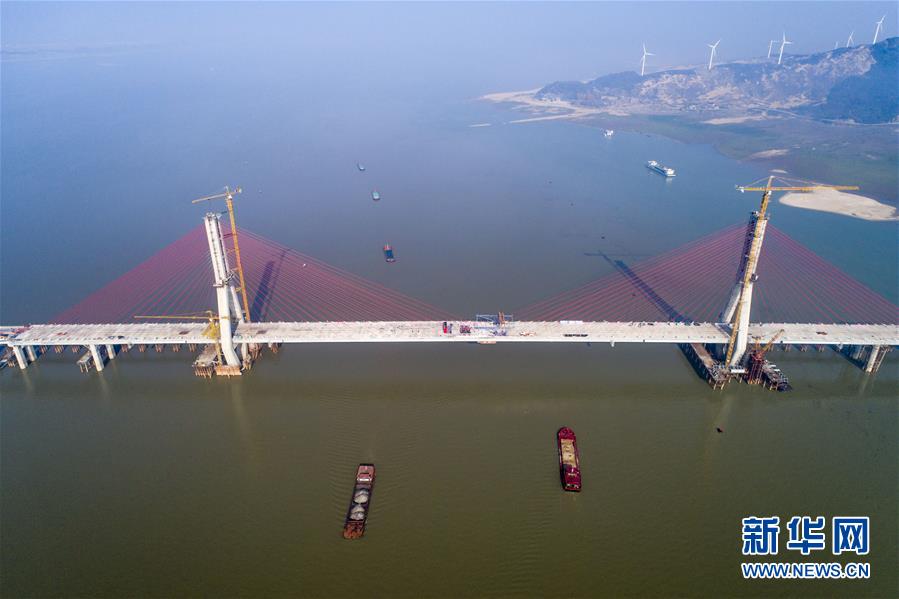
644, 287
267, 283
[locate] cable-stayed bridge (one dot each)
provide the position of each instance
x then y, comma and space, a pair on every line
431, 331
681, 297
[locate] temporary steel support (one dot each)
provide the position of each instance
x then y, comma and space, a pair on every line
874, 359
224, 292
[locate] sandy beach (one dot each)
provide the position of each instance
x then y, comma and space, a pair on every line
840, 202
545, 110
733, 120
773, 153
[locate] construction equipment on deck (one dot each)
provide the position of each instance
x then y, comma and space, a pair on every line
764, 349
211, 331
228, 196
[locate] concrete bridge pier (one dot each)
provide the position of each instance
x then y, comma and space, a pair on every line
20, 357
32, 355
110, 351
98, 357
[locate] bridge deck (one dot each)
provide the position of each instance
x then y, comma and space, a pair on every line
432, 331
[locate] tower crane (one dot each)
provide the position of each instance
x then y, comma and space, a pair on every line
768, 188
761, 350
739, 305
228, 196
758, 369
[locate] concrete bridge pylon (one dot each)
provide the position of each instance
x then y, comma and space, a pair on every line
739, 305
738, 308
229, 309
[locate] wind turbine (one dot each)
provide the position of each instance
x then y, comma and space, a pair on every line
714, 47
849, 41
643, 60
879, 27
783, 43
770, 45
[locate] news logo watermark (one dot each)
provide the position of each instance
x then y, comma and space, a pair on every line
807, 536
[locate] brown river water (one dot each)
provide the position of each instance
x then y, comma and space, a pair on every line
146, 481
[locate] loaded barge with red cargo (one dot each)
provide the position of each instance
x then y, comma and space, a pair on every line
569, 468
357, 513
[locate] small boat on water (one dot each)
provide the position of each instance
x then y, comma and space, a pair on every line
376, 196
357, 514
660, 168
607, 133
360, 166
569, 464
388, 253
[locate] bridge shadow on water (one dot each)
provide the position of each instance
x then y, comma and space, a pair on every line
648, 292
268, 282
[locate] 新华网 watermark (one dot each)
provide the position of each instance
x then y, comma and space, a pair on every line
806, 535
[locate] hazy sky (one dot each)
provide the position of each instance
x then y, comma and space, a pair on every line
509, 44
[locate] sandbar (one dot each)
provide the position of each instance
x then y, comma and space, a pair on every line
546, 110
840, 202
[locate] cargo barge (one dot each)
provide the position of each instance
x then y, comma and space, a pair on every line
388, 254
569, 463
357, 514
660, 168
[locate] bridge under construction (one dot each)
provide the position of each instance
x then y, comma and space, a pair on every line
722, 348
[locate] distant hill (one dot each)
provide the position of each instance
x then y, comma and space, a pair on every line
854, 84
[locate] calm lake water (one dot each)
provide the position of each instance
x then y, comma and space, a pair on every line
146, 481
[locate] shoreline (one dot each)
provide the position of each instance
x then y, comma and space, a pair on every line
557, 109
681, 128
